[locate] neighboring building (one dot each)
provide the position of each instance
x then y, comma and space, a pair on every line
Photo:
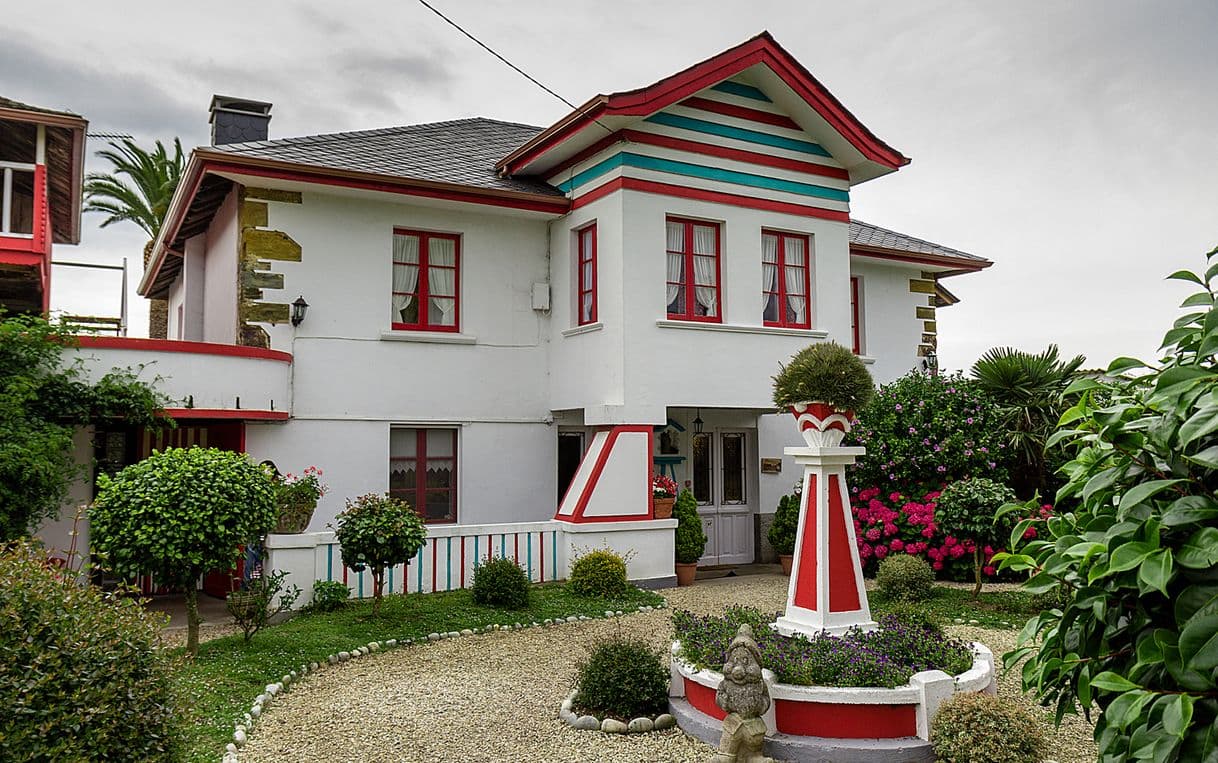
513, 324
41, 168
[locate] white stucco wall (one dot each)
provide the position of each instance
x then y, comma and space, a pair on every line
892, 330
56, 532
220, 275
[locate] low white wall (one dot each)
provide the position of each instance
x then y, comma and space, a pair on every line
648, 545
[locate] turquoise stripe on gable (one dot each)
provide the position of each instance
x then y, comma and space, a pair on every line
738, 133
687, 169
742, 90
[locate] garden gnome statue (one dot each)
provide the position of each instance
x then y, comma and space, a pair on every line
744, 697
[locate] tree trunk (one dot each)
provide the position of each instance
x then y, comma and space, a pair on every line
977, 572
378, 582
192, 620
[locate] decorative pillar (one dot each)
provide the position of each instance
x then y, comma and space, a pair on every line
826, 593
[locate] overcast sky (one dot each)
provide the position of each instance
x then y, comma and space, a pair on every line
1075, 144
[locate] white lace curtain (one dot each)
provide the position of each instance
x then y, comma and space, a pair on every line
405, 272
794, 277
676, 262
441, 281
704, 268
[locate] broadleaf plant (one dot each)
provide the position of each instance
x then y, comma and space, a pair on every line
1138, 634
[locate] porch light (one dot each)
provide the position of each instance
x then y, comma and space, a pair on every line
930, 363
698, 422
299, 308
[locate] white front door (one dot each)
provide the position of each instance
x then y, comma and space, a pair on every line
722, 484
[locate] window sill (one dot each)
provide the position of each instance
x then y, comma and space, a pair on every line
587, 328
867, 359
436, 337
736, 328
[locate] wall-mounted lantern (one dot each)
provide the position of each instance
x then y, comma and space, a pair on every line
299, 308
698, 422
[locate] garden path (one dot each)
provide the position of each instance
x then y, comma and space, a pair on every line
495, 696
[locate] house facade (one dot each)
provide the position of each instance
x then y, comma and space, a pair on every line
511, 324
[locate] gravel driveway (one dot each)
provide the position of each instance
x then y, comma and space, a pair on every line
495, 697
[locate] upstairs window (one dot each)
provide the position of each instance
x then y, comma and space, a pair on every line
423, 471
426, 280
586, 275
856, 323
693, 271
785, 280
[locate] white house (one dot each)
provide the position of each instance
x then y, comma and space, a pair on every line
510, 324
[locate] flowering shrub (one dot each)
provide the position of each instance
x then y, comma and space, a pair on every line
885, 657
301, 488
663, 487
922, 432
894, 524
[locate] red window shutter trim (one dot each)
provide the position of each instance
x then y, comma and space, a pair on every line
688, 277
422, 285
586, 245
780, 262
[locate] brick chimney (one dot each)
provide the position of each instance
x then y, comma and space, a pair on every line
237, 120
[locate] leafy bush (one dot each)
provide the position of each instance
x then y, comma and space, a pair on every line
178, 514
599, 573
969, 509
922, 432
379, 532
502, 583
1139, 552
80, 676
329, 595
906, 578
255, 604
689, 537
886, 657
915, 616
785, 526
624, 679
824, 372
978, 728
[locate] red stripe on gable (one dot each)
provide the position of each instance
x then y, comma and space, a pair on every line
701, 194
741, 112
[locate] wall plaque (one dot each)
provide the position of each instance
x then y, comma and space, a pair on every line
771, 465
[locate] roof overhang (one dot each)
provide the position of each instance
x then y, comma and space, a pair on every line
210, 174
66, 166
761, 59
945, 265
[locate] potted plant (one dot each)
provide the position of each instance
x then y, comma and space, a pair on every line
690, 538
663, 494
785, 527
297, 497
822, 386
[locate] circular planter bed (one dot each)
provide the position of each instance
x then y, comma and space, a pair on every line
834, 723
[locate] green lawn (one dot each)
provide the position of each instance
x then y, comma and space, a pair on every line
218, 687
995, 609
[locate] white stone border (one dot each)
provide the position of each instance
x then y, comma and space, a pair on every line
928, 689
244, 727
641, 725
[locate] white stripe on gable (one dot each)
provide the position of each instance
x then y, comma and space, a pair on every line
737, 100
718, 140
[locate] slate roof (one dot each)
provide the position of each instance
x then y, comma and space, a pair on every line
9, 103
461, 151
866, 234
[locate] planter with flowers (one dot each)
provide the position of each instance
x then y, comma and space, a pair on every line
663, 495
297, 496
822, 386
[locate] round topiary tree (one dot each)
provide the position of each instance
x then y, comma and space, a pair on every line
824, 373
379, 532
81, 677
903, 577
689, 537
968, 509
180, 513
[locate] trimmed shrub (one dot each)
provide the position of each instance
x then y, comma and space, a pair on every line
906, 578
689, 536
80, 675
500, 583
785, 525
329, 595
824, 372
913, 615
624, 679
978, 728
969, 510
599, 573
378, 532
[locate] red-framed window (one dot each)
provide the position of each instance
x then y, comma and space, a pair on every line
692, 283
423, 471
585, 287
856, 324
785, 280
426, 280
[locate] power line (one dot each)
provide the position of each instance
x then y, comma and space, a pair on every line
514, 67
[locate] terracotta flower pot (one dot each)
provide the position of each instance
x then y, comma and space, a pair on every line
662, 507
686, 573
787, 561
821, 425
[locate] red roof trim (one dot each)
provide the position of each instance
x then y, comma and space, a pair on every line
961, 263
760, 49
227, 413
178, 345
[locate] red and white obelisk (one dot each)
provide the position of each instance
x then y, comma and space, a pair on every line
826, 594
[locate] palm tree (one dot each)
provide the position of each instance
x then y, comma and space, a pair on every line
138, 188
1029, 391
